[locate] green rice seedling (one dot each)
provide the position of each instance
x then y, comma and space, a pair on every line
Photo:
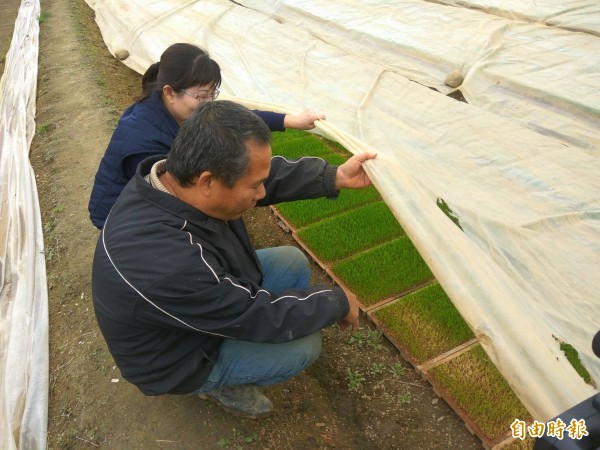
289, 134
475, 384
335, 159
293, 134
383, 271
298, 144
304, 212
350, 232
425, 323
299, 147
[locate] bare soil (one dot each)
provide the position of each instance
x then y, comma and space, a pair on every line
359, 395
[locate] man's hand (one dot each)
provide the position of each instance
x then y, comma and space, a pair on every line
352, 174
302, 121
351, 318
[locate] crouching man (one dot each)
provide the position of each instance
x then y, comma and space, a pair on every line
183, 300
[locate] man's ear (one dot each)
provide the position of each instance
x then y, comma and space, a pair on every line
205, 183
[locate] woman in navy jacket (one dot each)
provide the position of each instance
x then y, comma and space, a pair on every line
172, 89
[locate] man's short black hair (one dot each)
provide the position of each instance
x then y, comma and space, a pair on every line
214, 139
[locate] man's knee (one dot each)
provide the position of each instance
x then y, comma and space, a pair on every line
295, 257
309, 350
284, 267
288, 253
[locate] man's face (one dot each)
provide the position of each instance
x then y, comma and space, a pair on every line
249, 189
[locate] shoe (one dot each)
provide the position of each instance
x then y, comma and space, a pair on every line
244, 400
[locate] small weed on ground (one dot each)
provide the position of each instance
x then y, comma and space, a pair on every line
397, 370
42, 128
355, 380
405, 398
43, 16
376, 368
367, 337
238, 440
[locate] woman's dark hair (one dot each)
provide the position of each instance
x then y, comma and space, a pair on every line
181, 66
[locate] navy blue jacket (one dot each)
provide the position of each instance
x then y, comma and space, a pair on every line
170, 283
145, 129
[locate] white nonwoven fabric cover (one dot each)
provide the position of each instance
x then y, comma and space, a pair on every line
518, 165
23, 292
573, 15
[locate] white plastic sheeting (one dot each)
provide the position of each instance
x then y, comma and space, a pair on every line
23, 294
518, 165
575, 15
546, 78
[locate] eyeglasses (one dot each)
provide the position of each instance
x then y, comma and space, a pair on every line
203, 98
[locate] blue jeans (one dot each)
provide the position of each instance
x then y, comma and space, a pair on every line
242, 362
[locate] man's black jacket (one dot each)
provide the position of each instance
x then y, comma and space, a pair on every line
170, 283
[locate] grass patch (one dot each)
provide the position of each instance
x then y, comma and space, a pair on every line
474, 382
383, 271
350, 232
425, 322
573, 357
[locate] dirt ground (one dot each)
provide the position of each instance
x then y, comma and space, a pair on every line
359, 395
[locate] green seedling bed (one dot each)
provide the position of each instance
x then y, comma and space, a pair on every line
383, 271
351, 232
299, 147
425, 323
304, 212
366, 251
288, 135
472, 383
294, 144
